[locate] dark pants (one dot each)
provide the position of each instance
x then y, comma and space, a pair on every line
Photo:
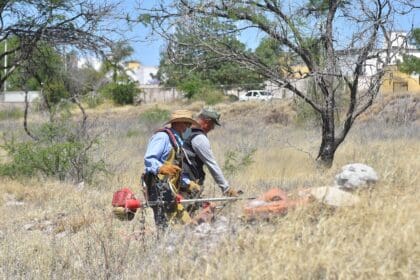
160, 197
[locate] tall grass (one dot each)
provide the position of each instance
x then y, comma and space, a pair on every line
63, 232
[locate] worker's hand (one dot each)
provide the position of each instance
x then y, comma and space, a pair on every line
194, 188
231, 192
169, 169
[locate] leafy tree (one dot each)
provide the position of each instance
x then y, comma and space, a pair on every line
120, 51
411, 63
310, 32
269, 52
36, 34
182, 66
76, 23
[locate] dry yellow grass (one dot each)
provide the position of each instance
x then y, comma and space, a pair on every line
61, 232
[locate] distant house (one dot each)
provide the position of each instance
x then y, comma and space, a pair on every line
144, 75
394, 80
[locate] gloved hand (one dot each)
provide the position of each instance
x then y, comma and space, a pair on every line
169, 169
194, 188
231, 192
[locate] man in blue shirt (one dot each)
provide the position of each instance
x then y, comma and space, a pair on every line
162, 161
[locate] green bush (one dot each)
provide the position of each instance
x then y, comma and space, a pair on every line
237, 160
154, 116
121, 93
93, 99
55, 91
60, 152
210, 96
12, 113
201, 90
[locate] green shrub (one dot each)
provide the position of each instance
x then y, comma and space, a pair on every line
12, 113
121, 93
93, 99
154, 116
192, 87
55, 91
60, 151
201, 90
210, 96
237, 160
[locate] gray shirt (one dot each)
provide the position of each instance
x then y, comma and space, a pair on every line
201, 146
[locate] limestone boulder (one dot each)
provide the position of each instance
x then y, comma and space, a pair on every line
332, 196
356, 175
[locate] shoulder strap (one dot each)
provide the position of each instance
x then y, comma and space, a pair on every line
171, 135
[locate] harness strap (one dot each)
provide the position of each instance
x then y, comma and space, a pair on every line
171, 135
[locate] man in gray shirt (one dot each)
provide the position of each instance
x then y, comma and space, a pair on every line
198, 153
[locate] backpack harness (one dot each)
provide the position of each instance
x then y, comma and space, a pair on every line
192, 164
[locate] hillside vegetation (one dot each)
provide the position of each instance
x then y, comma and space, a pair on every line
62, 230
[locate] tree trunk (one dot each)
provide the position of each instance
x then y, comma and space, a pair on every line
326, 153
328, 144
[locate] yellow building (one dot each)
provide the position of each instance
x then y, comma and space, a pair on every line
133, 65
396, 81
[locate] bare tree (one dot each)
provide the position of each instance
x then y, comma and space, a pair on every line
337, 41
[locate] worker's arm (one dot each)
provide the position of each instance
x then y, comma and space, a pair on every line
201, 146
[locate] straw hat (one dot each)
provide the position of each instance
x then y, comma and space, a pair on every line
182, 116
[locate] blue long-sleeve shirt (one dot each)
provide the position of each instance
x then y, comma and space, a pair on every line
158, 151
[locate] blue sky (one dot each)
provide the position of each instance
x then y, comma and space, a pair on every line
147, 49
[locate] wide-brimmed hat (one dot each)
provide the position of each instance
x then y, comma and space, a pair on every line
210, 114
182, 116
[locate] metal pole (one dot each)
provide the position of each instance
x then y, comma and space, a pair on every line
198, 200
215, 199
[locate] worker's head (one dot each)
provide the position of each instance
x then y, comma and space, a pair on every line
208, 118
180, 120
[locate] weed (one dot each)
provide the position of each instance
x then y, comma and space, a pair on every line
235, 160
154, 117
12, 113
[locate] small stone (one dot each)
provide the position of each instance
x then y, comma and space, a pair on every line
61, 234
29, 226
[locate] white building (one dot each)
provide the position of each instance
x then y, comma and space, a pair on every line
144, 75
400, 45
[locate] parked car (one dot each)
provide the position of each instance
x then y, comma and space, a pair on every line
256, 95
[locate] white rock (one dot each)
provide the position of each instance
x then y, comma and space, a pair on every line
203, 229
355, 175
15, 203
256, 203
29, 226
61, 235
333, 196
80, 186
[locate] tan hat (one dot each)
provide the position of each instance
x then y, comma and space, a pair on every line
182, 116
